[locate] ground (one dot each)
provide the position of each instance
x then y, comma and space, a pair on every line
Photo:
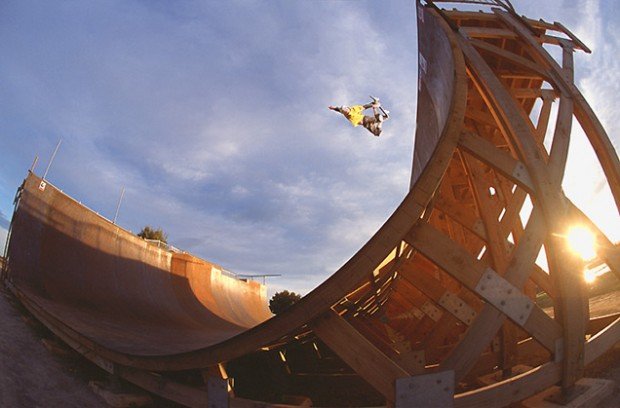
33, 376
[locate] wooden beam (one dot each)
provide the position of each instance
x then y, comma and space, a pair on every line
432, 288
359, 353
604, 340
543, 118
572, 36
458, 213
484, 118
487, 32
561, 137
510, 56
511, 390
498, 159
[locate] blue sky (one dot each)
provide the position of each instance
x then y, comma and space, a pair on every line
213, 116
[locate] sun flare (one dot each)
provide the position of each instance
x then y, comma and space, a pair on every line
589, 276
582, 242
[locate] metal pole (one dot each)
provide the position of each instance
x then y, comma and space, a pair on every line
34, 163
52, 158
118, 206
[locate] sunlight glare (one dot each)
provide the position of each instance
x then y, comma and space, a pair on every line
582, 241
589, 275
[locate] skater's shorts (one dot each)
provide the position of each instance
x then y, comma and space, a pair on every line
356, 115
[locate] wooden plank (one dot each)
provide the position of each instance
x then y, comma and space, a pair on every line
500, 160
484, 118
510, 56
529, 352
543, 118
512, 390
446, 254
541, 278
487, 32
458, 213
561, 137
360, 354
604, 340
533, 93
455, 14
572, 36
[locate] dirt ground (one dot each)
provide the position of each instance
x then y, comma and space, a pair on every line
33, 376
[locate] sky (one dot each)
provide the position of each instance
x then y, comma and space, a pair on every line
213, 117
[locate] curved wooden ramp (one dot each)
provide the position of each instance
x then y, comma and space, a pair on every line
438, 308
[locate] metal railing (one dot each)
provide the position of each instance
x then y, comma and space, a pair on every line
163, 245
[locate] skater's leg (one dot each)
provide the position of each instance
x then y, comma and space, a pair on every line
372, 124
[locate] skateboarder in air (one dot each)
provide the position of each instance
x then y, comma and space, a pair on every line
356, 116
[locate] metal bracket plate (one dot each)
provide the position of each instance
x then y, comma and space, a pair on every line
520, 173
458, 307
412, 313
431, 311
504, 296
428, 390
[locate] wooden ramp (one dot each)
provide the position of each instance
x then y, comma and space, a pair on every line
441, 307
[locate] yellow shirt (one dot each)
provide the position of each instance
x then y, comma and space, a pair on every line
355, 115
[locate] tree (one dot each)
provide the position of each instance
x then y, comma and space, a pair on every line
149, 232
282, 301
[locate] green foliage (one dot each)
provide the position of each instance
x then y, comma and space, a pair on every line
149, 232
282, 301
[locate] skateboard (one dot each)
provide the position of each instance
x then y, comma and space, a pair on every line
377, 103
